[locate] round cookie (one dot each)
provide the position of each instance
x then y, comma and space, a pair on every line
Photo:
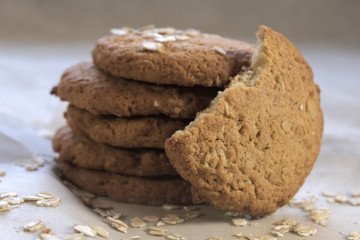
87, 87
252, 149
134, 132
85, 153
130, 189
169, 56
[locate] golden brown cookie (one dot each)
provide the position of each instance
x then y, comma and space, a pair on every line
252, 149
82, 152
87, 87
134, 132
169, 56
130, 189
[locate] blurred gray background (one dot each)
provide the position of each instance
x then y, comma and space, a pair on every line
303, 21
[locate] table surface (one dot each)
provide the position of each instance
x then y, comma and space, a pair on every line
28, 112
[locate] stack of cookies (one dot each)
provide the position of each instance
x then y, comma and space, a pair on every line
142, 86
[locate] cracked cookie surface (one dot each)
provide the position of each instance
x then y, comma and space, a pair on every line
184, 58
87, 87
252, 149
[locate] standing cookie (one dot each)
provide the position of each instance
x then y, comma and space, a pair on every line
169, 56
252, 149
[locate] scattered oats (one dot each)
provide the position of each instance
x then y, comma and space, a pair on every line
281, 228
45, 195
219, 50
190, 208
156, 233
151, 46
161, 38
8, 194
328, 194
320, 216
32, 198
276, 233
214, 238
135, 238
34, 226
14, 200
48, 202
86, 230
331, 200
172, 219
137, 222
119, 31
102, 232
156, 103
239, 222
2, 173
158, 229
340, 198
355, 193
48, 236
353, 236
301, 107
170, 207
307, 205
237, 235
192, 214
4, 206
174, 236
160, 223
76, 236
355, 201
286, 221
118, 224
304, 230
151, 218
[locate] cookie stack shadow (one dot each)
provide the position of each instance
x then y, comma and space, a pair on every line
134, 96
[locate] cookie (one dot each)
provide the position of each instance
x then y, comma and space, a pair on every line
130, 189
252, 149
87, 87
169, 56
85, 153
134, 132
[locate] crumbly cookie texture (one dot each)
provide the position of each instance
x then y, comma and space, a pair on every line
85, 153
184, 58
131, 189
252, 149
87, 87
135, 132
